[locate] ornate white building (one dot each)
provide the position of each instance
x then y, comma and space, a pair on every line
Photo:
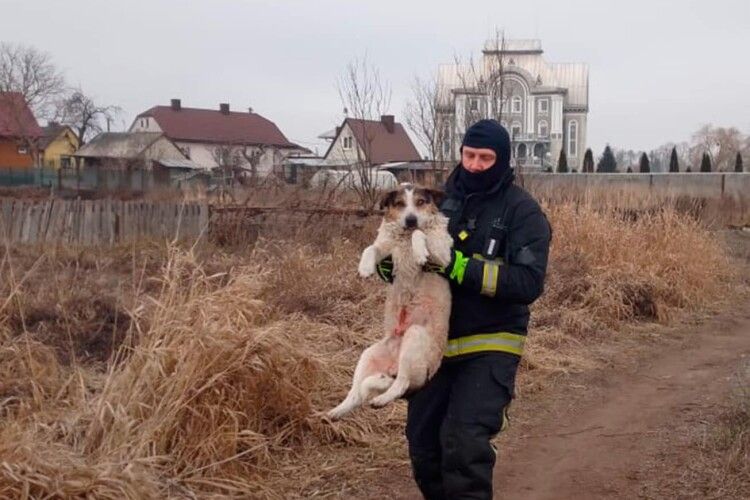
543, 105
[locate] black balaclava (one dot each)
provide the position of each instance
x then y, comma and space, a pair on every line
491, 135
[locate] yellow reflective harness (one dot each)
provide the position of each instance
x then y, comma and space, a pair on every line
486, 342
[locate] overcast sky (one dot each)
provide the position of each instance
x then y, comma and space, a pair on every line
658, 68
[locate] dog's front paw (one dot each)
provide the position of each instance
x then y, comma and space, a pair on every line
367, 263
419, 247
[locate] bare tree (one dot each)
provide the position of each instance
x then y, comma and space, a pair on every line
31, 72
253, 157
83, 115
365, 96
228, 158
27, 72
720, 143
484, 83
423, 114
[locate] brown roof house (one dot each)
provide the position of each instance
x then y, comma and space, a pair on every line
19, 132
220, 137
372, 142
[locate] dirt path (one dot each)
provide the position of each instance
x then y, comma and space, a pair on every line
615, 433
610, 440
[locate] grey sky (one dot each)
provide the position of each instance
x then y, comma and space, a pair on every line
658, 69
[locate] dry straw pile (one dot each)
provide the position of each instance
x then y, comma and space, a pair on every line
156, 372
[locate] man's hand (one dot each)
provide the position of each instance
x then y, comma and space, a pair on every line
454, 270
384, 269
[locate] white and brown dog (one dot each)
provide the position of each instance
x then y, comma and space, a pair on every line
417, 307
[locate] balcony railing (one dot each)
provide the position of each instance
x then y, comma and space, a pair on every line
530, 138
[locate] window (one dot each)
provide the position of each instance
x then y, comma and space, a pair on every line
348, 142
543, 105
473, 104
515, 130
543, 129
515, 104
572, 138
23, 150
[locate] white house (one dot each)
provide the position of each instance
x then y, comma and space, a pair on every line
372, 141
544, 105
214, 137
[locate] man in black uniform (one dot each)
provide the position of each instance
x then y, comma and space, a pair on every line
501, 244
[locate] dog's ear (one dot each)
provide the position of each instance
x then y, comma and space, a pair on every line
388, 199
436, 196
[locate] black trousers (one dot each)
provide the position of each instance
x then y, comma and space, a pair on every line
450, 423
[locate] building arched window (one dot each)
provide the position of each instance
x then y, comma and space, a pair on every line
515, 104
515, 131
522, 150
573, 138
447, 142
543, 128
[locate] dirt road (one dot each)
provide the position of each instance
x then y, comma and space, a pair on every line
617, 439
617, 433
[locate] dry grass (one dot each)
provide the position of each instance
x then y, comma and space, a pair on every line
607, 271
215, 363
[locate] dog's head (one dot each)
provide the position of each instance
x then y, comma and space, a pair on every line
411, 207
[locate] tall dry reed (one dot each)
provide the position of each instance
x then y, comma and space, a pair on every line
219, 362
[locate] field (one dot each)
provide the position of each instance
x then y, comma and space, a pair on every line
163, 369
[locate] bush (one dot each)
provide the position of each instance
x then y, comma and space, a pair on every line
674, 164
644, 164
562, 163
607, 163
588, 161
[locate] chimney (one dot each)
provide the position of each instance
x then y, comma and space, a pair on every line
176, 104
249, 110
389, 123
224, 108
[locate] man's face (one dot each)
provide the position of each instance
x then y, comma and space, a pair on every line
477, 159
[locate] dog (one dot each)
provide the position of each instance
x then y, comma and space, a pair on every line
417, 306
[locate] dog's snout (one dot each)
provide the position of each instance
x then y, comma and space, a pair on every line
410, 222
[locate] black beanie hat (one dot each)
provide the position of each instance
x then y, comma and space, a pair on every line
491, 135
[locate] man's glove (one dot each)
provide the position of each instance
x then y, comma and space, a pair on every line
384, 268
454, 270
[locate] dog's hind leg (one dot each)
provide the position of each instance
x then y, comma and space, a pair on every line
413, 370
368, 380
374, 385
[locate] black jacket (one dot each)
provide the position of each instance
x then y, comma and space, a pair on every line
508, 215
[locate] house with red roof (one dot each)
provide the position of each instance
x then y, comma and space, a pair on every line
371, 142
220, 137
19, 132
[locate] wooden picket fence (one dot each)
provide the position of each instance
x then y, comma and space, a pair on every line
99, 222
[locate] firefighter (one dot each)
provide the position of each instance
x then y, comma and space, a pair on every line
499, 260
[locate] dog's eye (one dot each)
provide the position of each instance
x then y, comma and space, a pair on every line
400, 204
420, 202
